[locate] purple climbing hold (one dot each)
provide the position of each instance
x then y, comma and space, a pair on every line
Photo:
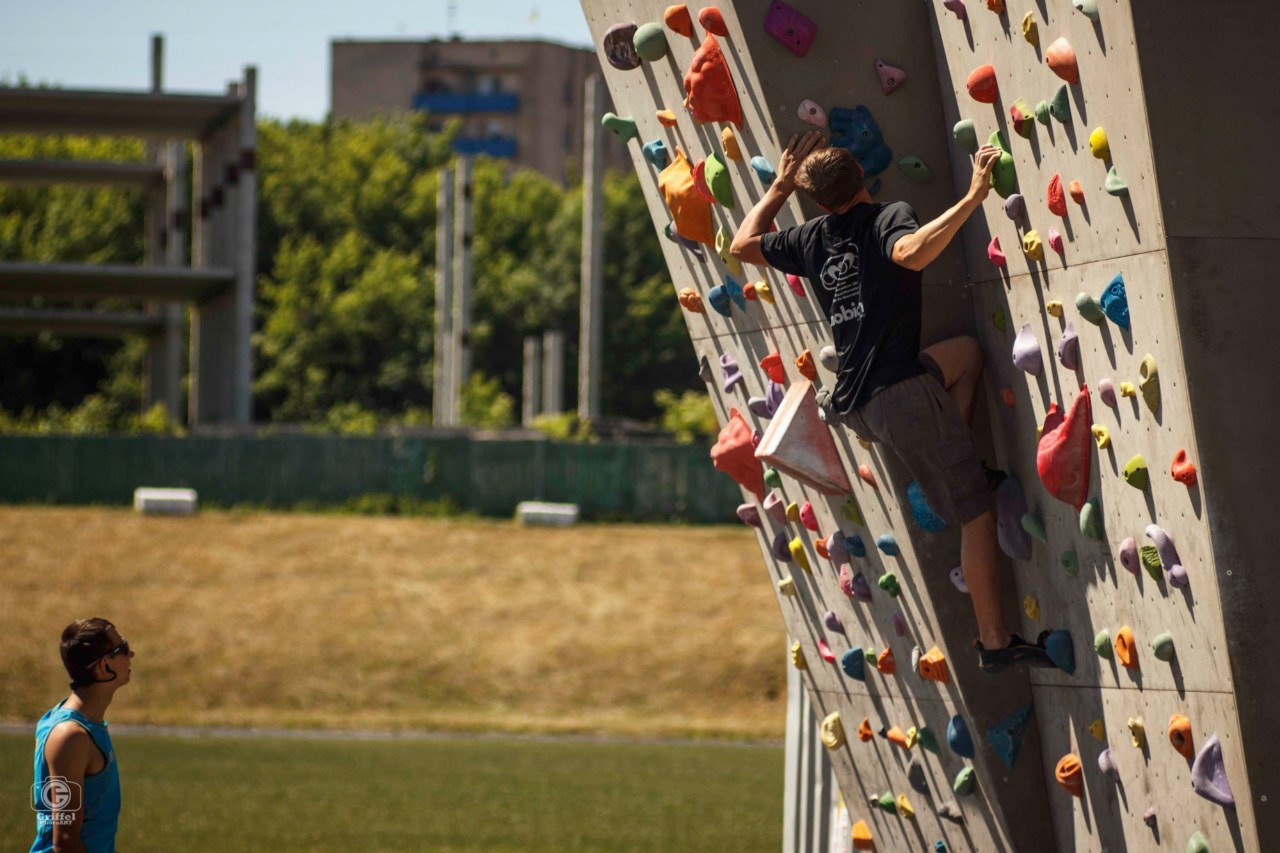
1107, 764
782, 546
749, 514
899, 623
1069, 348
833, 623
1015, 207
732, 374
792, 29
1209, 774
1060, 650
836, 548
1169, 559
758, 407
1011, 505
957, 578
853, 544
957, 6
1107, 391
773, 397
776, 507
619, 47
1026, 352
1006, 736
1129, 556
861, 588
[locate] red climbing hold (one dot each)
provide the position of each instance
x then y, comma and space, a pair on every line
677, 18
820, 545
712, 21
709, 91
982, 84
824, 651
1062, 458
995, 254
864, 471
1077, 192
734, 455
749, 291
808, 517
771, 364
1183, 469
796, 285
1056, 197
1061, 58
700, 182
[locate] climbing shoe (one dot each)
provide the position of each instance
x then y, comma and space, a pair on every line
994, 476
1018, 653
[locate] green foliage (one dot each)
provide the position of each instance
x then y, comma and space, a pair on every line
485, 404
564, 426
688, 416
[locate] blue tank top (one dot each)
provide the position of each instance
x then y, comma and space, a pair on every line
101, 794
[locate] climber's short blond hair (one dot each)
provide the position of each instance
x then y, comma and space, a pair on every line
831, 176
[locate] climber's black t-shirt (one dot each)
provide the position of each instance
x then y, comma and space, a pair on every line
872, 304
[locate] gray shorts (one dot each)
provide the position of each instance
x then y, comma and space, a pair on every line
923, 426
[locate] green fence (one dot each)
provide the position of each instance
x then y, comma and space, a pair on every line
488, 476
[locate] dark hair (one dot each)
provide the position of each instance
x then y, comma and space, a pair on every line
831, 177
83, 643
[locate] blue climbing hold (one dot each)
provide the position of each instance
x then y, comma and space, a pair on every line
958, 737
656, 153
928, 520
764, 171
888, 544
857, 132
1006, 736
853, 544
1115, 304
722, 295
1061, 652
854, 664
782, 546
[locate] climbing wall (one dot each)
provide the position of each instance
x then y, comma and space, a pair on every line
939, 751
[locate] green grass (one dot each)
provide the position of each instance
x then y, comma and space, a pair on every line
202, 795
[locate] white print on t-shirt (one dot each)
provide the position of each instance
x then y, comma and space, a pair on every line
841, 274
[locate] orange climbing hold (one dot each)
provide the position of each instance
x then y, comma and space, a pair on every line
982, 84
1069, 775
1126, 649
729, 143
1076, 191
691, 301
862, 837
666, 118
677, 18
1183, 469
771, 364
933, 666
1180, 736
1062, 458
1061, 58
864, 471
712, 21
897, 737
692, 215
1056, 197
734, 453
804, 363
884, 661
864, 730
820, 545
708, 87
749, 291
996, 6
1007, 395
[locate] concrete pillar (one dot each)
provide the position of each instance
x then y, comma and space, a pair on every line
164, 357
442, 365
245, 223
531, 388
461, 347
553, 372
810, 796
592, 305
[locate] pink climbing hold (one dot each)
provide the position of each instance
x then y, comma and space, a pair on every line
776, 506
749, 514
1107, 391
1062, 458
807, 516
1056, 197
957, 6
1209, 774
899, 623
864, 471
1055, 241
825, 651
1061, 58
796, 284
733, 455
809, 111
993, 252
792, 29
890, 77
982, 84
1129, 556
798, 443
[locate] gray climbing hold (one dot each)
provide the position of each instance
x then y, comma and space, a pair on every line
1107, 764
966, 135
650, 42
1091, 519
1088, 8
1060, 105
1089, 308
763, 170
1026, 352
1162, 646
625, 128
950, 810
655, 153
888, 544
958, 737
915, 652
1034, 525
1209, 774
1011, 505
916, 776
828, 358
1015, 207
957, 579
915, 169
836, 548
1006, 736
1042, 113
1114, 185
1069, 348
732, 374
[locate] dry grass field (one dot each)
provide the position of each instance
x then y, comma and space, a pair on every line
259, 619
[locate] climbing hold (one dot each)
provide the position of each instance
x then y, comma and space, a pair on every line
1101, 435
1098, 144
1069, 348
666, 118
1056, 198
1034, 525
865, 473
916, 777
957, 6
797, 656
858, 585
933, 666
896, 737
712, 21
729, 143
1115, 303
1053, 307
796, 285
966, 781
1060, 105
884, 801
1180, 735
772, 478
884, 661
1030, 31
718, 180
832, 621
1089, 8
1055, 241
1127, 389
1149, 558
1089, 308
1076, 192
1011, 505
624, 128
1062, 457
1015, 207
856, 131
862, 837
619, 47
809, 111
1129, 556
827, 358
1209, 774
966, 135
824, 651
804, 364
1006, 736
692, 215
1061, 651
807, 516
764, 171
854, 664
982, 84
957, 579
1168, 553
904, 807
1197, 843
650, 42
1107, 764
678, 20
832, 731
655, 153
771, 364
997, 317
787, 586
774, 506
1070, 562
994, 254
996, 6
1069, 775
1126, 649
723, 242
835, 547
723, 296
1107, 391
1183, 469
886, 543
749, 290
1162, 646
1021, 116
1114, 185
915, 658
1032, 246
1006, 394
734, 454
1149, 382
793, 30
1004, 177
1031, 606
691, 301
793, 511
767, 406
1135, 472
915, 169
764, 291
781, 547
749, 514
1137, 732
1149, 817
958, 737
709, 91
924, 515
849, 509
1061, 59
1026, 352
890, 77
1095, 729
889, 583
1102, 644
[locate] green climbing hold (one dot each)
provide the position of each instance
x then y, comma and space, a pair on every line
1091, 519
772, 478
625, 128
1089, 308
889, 583
1088, 8
849, 509
1135, 472
886, 802
650, 42
926, 738
1070, 562
1034, 525
997, 317
1198, 843
717, 175
1042, 113
1004, 179
871, 656
1060, 105
1150, 557
1102, 644
966, 135
966, 781
1113, 184
1162, 646
915, 169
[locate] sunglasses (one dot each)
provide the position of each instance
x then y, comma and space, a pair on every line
122, 649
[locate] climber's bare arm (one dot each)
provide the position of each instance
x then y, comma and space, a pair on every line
759, 221
917, 250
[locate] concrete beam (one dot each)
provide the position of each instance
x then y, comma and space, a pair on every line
100, 281
113, 113
83, 172
79, 324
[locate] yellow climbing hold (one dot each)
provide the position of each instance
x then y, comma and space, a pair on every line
1127, 390
1102, 435
904, 806
1137, 732
723, 242
913, 734
1098, 144
764, 291
832, 731
1149, 382
797, 656
797, 553
793, 512
787, 586
1031, 605
730, 144
1030, 31
1033, 246
1095, 729
864, 444
1054, 307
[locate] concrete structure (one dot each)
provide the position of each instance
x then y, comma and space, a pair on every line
591, 292
1192, 243
220, 279
520, 100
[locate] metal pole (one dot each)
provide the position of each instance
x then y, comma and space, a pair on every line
461, 353
245, 219
553, 372
592, 306
157, 62
442, 367
531, 389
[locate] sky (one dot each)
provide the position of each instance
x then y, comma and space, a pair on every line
106, 43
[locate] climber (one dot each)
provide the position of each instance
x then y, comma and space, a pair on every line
864, 259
